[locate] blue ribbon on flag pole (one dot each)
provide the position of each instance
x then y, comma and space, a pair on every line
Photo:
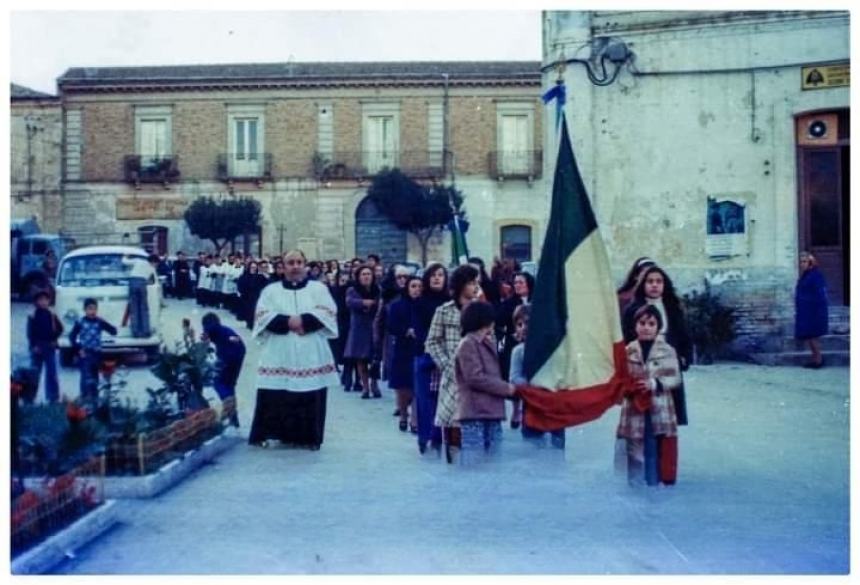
559, 94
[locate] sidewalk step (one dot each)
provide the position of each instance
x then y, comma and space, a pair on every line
839, 319
798, 358
828, 343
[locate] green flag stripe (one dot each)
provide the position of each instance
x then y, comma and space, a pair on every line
571, 220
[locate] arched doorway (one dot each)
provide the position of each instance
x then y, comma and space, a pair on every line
376, 234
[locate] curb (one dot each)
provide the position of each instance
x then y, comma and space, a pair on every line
61, 545
171, 474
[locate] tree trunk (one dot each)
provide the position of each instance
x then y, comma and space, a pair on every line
423, 237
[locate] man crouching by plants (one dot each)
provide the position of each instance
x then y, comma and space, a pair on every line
86, 338
230, 351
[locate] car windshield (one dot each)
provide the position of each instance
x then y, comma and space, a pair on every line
100, 270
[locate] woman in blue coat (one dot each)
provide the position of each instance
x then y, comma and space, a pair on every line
402, 325
810, 308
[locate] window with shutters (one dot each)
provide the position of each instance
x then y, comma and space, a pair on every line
153, 130
380, 136
515, 139
246, 140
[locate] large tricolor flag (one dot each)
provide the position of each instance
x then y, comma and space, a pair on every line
574, 346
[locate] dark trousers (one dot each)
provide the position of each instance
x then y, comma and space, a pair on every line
348, 377
47, 356
89, 367
425, 405
139, 308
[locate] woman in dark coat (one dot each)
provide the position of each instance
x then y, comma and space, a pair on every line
347, 375
656, 288
401, 324
250, 285
427, 376
810, 308
362, 299
391, 288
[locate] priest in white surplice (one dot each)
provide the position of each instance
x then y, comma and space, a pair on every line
293, 321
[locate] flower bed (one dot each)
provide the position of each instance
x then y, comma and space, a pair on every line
51, 504
148, 451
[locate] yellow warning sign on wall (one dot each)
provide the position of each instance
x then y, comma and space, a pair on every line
822, 76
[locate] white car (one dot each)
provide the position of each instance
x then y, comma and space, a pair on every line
105, 273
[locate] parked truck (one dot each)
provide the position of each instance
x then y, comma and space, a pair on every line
32, 271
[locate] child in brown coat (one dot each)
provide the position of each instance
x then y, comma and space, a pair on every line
481, 389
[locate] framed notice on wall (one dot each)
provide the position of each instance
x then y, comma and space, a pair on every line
824, 76
726, 232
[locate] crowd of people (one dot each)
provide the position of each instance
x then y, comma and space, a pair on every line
449, 344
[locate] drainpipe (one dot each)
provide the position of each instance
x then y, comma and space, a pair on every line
445, 129
31, 133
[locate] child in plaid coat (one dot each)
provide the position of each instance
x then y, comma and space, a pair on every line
648, 421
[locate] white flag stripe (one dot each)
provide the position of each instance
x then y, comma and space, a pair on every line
585, 356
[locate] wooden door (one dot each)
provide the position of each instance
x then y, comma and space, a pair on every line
824, 217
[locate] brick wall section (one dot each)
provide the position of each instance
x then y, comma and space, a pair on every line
108, 135
291, 136
413, 131
347, 125
472, 133
763, 301
199, 136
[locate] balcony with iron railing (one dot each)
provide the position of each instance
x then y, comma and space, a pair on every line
245, 167
522, 164
151, 169
362, 164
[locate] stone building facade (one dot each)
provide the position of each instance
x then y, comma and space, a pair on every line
720, 148
304, 139
36, 128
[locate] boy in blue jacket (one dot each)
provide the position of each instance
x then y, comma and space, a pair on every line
86, 339
230, 351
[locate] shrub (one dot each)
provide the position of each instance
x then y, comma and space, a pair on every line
711, 324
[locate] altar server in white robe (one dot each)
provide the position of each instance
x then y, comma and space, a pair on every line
294, 320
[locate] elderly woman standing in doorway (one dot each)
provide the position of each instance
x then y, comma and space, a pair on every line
810, 308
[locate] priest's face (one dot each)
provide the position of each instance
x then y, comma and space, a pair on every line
295, 267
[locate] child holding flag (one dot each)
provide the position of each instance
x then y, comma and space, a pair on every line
481, 389
648, 421
521, 326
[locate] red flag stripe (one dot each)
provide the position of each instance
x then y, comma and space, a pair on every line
551, 411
